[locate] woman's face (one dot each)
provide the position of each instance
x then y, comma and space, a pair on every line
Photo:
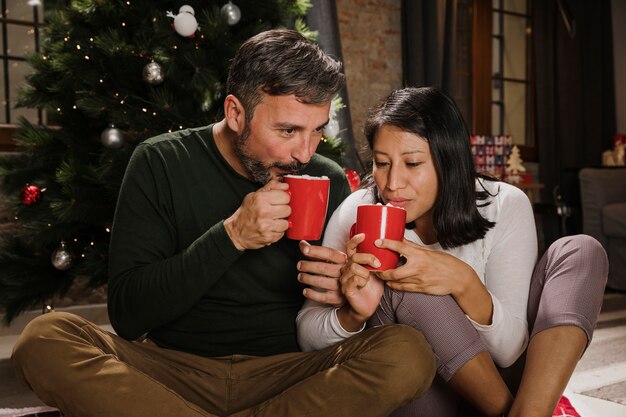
404, 173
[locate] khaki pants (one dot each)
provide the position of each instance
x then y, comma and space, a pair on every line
83, 370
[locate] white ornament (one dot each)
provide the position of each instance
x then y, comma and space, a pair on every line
232, 13
34, 2
185, 8
185, 23
112, 137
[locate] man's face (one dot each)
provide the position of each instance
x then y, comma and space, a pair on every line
281, 137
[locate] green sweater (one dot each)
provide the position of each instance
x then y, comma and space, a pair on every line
174, 272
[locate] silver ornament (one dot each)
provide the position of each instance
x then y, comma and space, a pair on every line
62, 259
153, 73
232, 13
112, 137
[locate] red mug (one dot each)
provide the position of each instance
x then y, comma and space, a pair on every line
309, 202
379, 222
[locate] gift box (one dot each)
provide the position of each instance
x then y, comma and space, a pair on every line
491, 153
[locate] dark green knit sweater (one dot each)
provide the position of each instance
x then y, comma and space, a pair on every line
174, 272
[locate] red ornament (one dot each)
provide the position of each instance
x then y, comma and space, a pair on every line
353, 179
31, 194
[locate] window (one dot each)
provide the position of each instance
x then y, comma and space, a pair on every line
20, 30
511, 86
502, 82
21, 21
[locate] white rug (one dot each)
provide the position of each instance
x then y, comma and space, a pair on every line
598, 386
17, 412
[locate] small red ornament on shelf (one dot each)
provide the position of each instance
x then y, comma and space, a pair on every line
31, 195
353, 179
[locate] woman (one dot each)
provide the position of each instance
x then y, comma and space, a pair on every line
471, 239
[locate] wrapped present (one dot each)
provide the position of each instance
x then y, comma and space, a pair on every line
491, 153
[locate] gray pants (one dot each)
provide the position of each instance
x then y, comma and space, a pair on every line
567, 288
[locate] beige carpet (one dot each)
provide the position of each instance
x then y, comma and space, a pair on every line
30, 411
601, 373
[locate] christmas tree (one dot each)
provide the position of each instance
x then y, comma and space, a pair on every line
514, 166
111, 73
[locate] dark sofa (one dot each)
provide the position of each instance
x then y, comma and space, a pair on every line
603, 198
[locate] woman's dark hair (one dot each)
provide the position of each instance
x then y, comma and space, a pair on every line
282, 62
433, 115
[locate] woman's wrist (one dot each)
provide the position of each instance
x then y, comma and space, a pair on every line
473, 298
349, 319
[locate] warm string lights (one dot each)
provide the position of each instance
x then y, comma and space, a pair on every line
63, 257
123, 63
153, 73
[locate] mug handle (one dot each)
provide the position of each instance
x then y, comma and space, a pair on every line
352, 230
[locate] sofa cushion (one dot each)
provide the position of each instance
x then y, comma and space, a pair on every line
614, 220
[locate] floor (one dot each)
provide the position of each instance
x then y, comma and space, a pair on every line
597, 388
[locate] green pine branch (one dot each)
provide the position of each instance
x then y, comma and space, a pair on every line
87, 77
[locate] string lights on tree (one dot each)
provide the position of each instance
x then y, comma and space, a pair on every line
143, 71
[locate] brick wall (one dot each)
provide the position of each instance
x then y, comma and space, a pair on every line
372, 53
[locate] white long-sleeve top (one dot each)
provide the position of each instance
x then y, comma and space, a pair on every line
503, 260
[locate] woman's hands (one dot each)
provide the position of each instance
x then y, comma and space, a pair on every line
349, 284
361, 288
425, 270
438, 273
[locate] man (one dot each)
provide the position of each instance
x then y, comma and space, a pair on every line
199, 264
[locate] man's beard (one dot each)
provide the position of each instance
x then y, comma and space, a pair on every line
257, 169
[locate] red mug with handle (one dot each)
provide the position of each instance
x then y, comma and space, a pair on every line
309, 202
379, 222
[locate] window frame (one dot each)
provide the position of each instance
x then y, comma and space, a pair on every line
483, 77
8, 129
